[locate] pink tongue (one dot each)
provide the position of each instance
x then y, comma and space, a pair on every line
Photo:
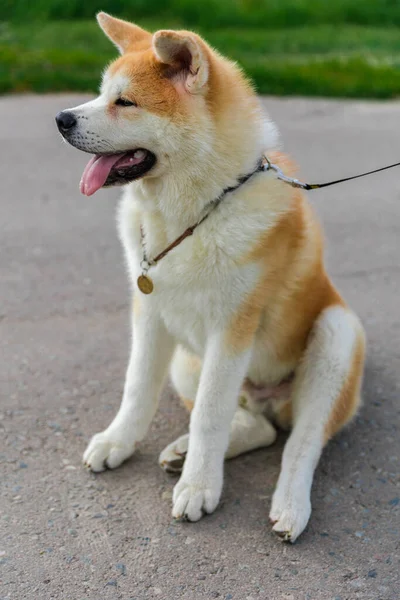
96, 173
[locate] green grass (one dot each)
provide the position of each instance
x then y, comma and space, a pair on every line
271, 14
322, 60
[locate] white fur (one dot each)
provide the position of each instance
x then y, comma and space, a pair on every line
320, 379
247, 432
198, 289
97, 132
200, 485
150, 356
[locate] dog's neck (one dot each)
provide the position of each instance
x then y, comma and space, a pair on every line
179, 197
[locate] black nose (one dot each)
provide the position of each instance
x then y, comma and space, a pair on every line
65, 120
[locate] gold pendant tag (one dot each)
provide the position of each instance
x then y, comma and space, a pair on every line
145, 284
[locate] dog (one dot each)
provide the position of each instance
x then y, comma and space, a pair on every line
230, 293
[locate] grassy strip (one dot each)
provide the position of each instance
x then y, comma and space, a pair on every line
324, 60
271, 14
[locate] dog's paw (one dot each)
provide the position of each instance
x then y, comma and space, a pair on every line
289, 515
173, 456
105, 451
191, 501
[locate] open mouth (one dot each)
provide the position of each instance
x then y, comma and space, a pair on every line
104, 170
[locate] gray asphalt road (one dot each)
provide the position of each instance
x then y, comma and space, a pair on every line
64, 311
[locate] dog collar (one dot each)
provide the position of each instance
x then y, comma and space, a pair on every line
144, 282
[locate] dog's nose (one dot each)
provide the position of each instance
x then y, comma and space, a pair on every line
65, 120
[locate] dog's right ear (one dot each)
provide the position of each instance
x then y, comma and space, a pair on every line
123, 34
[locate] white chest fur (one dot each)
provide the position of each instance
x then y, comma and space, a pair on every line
200, 284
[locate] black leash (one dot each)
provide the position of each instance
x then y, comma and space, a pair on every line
269, 166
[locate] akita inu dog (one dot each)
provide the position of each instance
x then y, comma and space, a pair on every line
242, 310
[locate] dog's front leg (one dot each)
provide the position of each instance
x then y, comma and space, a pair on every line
151, 353
200, 485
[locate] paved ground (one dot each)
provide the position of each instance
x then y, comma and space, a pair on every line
64, 307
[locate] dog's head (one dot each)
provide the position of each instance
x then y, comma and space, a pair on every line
152, 99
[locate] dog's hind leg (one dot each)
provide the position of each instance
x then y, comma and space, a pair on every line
248, 432
325, 397
185, 374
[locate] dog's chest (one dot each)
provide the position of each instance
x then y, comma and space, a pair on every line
189, 315
197, 289
198, 286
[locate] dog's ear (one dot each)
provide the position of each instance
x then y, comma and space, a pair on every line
184, 55
123, 34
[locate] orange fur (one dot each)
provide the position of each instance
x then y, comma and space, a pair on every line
155, 93
293, 288
124, 34
159, 91
188, 404
284, 416
284, 162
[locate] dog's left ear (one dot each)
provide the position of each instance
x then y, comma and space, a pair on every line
183, 53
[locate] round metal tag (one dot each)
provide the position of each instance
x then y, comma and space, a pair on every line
145, 284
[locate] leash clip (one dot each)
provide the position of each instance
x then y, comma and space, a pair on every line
269, 166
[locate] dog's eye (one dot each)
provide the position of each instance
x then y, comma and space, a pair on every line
124, 102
